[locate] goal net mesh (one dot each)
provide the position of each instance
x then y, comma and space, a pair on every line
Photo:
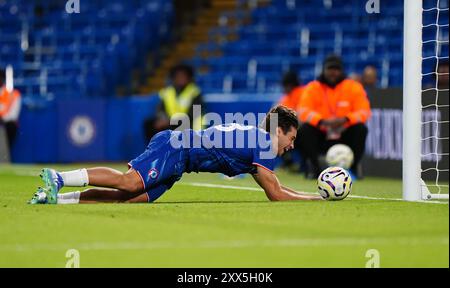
435, 97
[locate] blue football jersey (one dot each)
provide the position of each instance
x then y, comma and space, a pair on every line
231, 149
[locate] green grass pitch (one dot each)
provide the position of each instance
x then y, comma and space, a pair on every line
201, 223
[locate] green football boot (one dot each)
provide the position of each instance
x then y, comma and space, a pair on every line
40, 197
53, 183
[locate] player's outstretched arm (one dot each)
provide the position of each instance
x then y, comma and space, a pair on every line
298, 192
274, 191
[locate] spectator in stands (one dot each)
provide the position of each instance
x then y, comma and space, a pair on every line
369, 80
442, 74
10, 104
333, 109
369, 77
179, 97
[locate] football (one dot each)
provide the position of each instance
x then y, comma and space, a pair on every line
334, 183
340, 155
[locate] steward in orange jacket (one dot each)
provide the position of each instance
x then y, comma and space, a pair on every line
292, 89
334, 110
292, 99
10, 104
293, 94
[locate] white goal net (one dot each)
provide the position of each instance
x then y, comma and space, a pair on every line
426, 100
435, 99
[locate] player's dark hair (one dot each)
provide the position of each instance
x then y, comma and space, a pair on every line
287, 118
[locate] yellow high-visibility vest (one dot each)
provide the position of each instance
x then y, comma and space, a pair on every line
181, 104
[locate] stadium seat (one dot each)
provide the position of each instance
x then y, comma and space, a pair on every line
298, 34
95, 50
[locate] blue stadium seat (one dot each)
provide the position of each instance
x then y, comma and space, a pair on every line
298, 34
83, 55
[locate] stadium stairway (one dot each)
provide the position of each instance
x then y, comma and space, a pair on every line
222, 14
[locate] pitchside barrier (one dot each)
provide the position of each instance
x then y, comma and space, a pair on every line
112, 130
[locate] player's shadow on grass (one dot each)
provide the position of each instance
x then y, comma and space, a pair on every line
211, 202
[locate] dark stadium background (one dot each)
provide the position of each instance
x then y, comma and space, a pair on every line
89, 79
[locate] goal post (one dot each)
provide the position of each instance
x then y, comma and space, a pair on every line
414, 188
412, 104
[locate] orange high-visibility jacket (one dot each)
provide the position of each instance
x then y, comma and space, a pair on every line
347, 99
293, 99
9, 104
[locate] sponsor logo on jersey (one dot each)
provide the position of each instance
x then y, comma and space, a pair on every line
153, 173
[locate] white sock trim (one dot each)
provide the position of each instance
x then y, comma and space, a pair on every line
69, 198
76, 178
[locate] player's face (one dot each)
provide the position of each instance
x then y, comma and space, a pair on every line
286, 141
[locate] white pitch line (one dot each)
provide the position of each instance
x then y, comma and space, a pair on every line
305, 242
207, 185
